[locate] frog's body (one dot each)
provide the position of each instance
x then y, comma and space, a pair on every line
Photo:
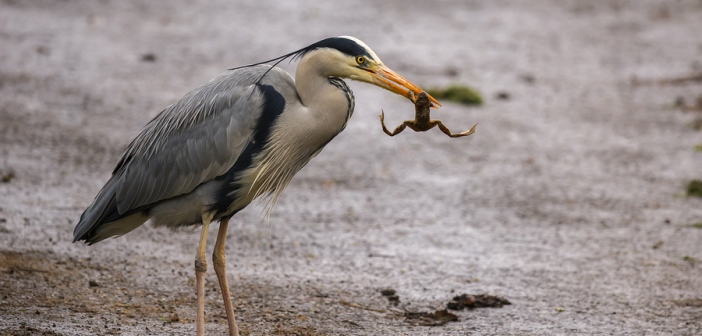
422, 120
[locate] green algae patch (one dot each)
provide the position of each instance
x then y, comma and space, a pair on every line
694, 188
458, 93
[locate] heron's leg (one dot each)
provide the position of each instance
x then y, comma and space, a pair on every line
220, 264
396, 131
200, 269
453, 135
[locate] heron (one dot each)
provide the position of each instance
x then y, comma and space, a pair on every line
242, 135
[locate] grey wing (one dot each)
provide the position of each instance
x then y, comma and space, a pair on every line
191, 142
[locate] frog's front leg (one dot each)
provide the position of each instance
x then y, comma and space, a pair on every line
396, 131
412, 97
448, 132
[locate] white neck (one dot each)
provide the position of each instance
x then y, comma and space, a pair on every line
325, 102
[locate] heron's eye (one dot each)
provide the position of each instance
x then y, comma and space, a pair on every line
360, 60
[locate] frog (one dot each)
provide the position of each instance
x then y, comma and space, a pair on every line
422, 119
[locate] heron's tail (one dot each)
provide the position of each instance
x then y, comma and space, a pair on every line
101, 219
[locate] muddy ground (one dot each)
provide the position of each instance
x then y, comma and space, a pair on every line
569, 200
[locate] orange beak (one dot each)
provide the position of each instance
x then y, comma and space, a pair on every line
392, 81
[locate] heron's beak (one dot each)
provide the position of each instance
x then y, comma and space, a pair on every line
392, 81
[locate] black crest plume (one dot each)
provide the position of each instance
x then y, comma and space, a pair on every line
344, 45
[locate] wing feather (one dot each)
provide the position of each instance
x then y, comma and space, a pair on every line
191, 142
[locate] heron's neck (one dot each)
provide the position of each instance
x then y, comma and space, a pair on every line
327, 102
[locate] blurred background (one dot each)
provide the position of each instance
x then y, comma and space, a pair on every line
577, 199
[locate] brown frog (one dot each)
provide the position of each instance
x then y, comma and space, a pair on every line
422, 121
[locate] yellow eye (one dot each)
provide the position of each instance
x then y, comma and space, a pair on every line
360, 60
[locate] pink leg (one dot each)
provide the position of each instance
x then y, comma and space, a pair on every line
200, 269
220, 264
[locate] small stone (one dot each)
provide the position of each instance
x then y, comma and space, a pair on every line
503, 95
394, 299
528, 78
7, 177
464, 301
679, 102
387, 292
93, 283
148, 57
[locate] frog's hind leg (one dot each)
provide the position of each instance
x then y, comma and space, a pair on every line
396, 131
448, 132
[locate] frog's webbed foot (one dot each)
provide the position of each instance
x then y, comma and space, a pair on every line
412, 97
453, 135
396, 131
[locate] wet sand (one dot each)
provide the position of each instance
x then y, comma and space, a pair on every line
568, 201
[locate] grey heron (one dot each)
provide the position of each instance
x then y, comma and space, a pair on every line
242, 135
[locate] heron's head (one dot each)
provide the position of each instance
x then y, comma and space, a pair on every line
349, 57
